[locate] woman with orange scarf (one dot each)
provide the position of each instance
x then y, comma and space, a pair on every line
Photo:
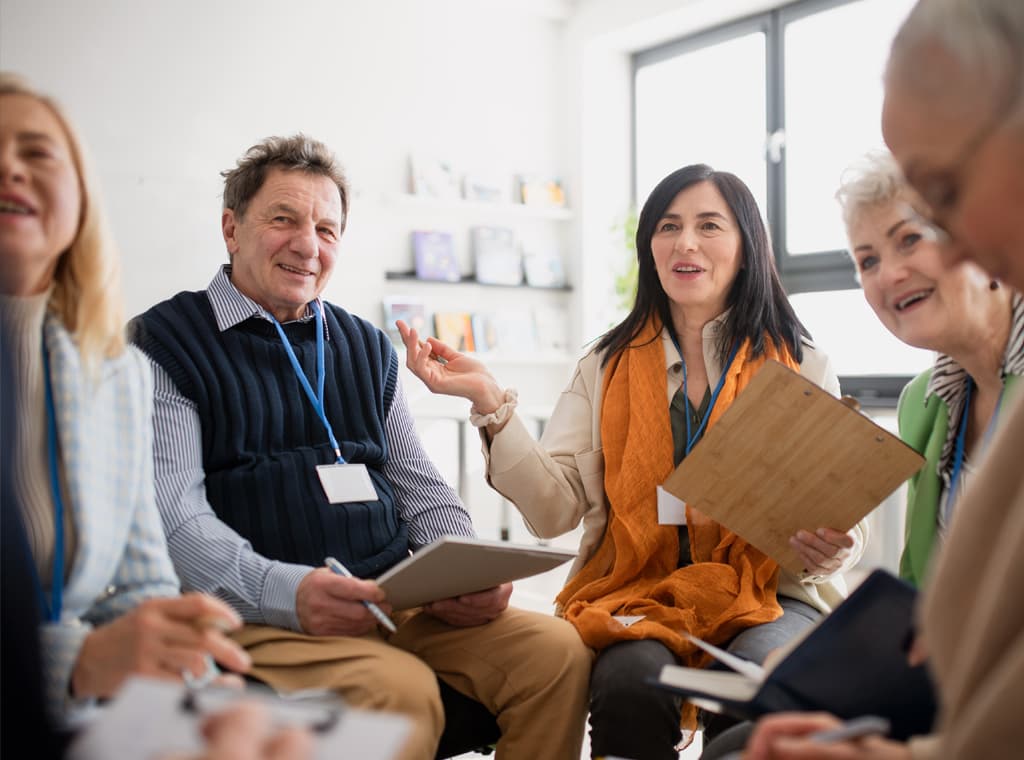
709, 311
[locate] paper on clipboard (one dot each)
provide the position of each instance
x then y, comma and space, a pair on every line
785, 456
146, 720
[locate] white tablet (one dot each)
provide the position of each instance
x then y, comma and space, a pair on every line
455, 565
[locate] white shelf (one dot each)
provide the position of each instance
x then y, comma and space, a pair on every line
539, 358
471, 281
479, 209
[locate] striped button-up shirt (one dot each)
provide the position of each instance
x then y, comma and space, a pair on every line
210, 556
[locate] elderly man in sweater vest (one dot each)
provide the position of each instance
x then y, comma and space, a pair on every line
257, 383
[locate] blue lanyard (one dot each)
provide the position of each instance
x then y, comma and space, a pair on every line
691, 439
317, 400
961, 438
52, 607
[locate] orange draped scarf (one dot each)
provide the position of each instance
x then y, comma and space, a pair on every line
729, 587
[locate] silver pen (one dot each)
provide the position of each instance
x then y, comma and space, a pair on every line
377, 612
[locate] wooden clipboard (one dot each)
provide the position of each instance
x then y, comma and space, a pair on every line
788, 455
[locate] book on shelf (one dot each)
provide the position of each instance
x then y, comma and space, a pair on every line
496, 255
433, 177
543, 268
538, 190
455, 328
485, 335
853, 663
410, 310
434, 255
512, 331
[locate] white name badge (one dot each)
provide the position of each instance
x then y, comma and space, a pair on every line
346, 482
671, 509
627, 620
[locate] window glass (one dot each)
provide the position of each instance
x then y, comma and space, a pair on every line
705, 106
833, 104
844, 327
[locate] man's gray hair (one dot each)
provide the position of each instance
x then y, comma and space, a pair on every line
874, 180
984, 37
295, 153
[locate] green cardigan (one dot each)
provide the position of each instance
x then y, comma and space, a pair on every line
923, 426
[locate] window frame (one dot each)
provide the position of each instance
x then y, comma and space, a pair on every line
816, 271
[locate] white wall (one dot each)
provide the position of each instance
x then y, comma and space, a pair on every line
168, 93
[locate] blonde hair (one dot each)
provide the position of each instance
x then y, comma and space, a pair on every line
87, 282
874, 180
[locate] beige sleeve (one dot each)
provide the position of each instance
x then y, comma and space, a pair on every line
546, 481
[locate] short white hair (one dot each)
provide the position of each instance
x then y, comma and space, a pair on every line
984, 37
874, 180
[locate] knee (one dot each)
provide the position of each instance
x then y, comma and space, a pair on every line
560, 652
409, 687
619, 678
622, 689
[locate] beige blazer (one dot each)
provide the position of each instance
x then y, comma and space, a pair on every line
558, 482
971, 615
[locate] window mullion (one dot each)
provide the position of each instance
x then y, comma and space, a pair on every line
775, 84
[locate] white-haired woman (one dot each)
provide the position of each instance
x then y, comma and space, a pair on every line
973, 323
82, 453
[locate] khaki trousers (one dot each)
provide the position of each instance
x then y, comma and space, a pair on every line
530, 670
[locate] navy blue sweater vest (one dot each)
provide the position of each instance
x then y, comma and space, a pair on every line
262, 439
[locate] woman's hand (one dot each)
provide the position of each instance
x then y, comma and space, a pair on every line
159, 638
246, 732
823, 551
445, 370
784, 736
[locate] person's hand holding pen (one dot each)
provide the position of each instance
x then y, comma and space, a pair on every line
820, 736
162, 638
329, 604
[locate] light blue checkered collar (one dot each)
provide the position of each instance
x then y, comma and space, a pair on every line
231, 306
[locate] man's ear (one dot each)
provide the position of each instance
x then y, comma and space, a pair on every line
229, 228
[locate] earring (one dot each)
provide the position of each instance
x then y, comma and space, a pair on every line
993, 285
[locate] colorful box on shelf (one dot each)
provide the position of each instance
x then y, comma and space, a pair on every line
434, 255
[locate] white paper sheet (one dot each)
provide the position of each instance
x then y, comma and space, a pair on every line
146, 721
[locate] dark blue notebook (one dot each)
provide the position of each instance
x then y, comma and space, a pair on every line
853, 663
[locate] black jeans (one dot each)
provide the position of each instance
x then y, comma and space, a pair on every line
630, 718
